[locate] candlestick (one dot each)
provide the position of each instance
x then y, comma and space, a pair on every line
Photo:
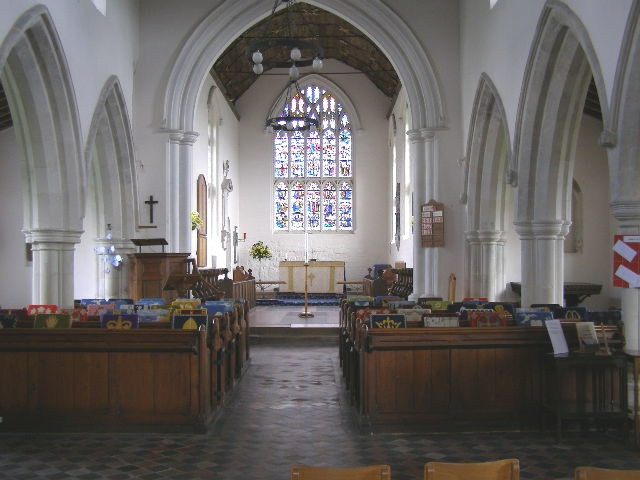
306, 247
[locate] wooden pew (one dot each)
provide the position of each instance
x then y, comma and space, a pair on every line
107, 380
455, 378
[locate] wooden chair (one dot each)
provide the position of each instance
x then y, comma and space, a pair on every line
369, 472
505, 469
596, 473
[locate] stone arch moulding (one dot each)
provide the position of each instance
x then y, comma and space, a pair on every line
109, 155
488, 151
562, 46
373, 17
625, 113
561, 63
35, 76
36, 79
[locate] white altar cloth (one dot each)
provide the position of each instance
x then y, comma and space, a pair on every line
322, 276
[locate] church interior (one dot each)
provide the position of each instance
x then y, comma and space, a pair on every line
181, 179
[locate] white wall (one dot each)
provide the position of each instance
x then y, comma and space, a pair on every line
15, 286
369, 242
223, 144
593, 264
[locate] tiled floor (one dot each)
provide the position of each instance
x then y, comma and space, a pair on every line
289, 408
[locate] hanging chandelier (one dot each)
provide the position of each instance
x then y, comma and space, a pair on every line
278, 47
289, 112
280, 42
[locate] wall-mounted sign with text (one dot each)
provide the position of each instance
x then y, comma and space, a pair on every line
626, 261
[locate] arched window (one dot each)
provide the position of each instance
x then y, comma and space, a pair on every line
313, 171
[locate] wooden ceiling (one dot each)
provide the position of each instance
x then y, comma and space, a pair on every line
339, 39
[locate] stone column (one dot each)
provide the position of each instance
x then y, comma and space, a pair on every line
627, 212
423, 171
53, 266
486, 263
542, 247
179, 186
115, 282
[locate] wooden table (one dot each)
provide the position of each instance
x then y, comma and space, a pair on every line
319, 276
586, 387
634, 358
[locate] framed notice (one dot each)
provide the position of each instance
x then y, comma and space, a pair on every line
432, 224
626, 261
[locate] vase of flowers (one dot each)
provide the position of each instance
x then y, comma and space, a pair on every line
196, 220
259, 251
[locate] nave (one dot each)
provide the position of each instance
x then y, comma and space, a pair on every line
290, 407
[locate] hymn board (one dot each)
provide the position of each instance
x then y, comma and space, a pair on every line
432, 224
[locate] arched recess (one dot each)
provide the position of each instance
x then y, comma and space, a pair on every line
488, 153
623, 159
36, 79
560, 65
113, 194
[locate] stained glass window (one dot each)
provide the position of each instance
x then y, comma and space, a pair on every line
313, 171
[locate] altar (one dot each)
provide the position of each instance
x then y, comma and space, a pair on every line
323, 276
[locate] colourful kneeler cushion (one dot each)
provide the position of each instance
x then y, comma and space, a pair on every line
52, 320
390, 320
532, 318
36, 309
112, 321
190, 322
487, 318
414, 316
8, 320
218, 306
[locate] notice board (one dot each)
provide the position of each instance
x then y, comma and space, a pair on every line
626, 261
432, 224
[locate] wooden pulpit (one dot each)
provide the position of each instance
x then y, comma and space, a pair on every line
149, 272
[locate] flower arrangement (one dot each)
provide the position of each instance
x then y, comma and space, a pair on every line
196, 220
259, 251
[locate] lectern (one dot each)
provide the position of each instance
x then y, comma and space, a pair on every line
149, 272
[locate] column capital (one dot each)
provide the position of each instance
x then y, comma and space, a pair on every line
40, 236
627, 212
608, 139
551, 229
181, 137
486, 236
421, 135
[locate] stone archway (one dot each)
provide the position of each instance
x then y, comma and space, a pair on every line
560, 66
35, 76
110, 163
623, 159
414, 67
488, 154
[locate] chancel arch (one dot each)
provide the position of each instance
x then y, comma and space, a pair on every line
36, 79
560, 67
374, 18
112, 193
488, 192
